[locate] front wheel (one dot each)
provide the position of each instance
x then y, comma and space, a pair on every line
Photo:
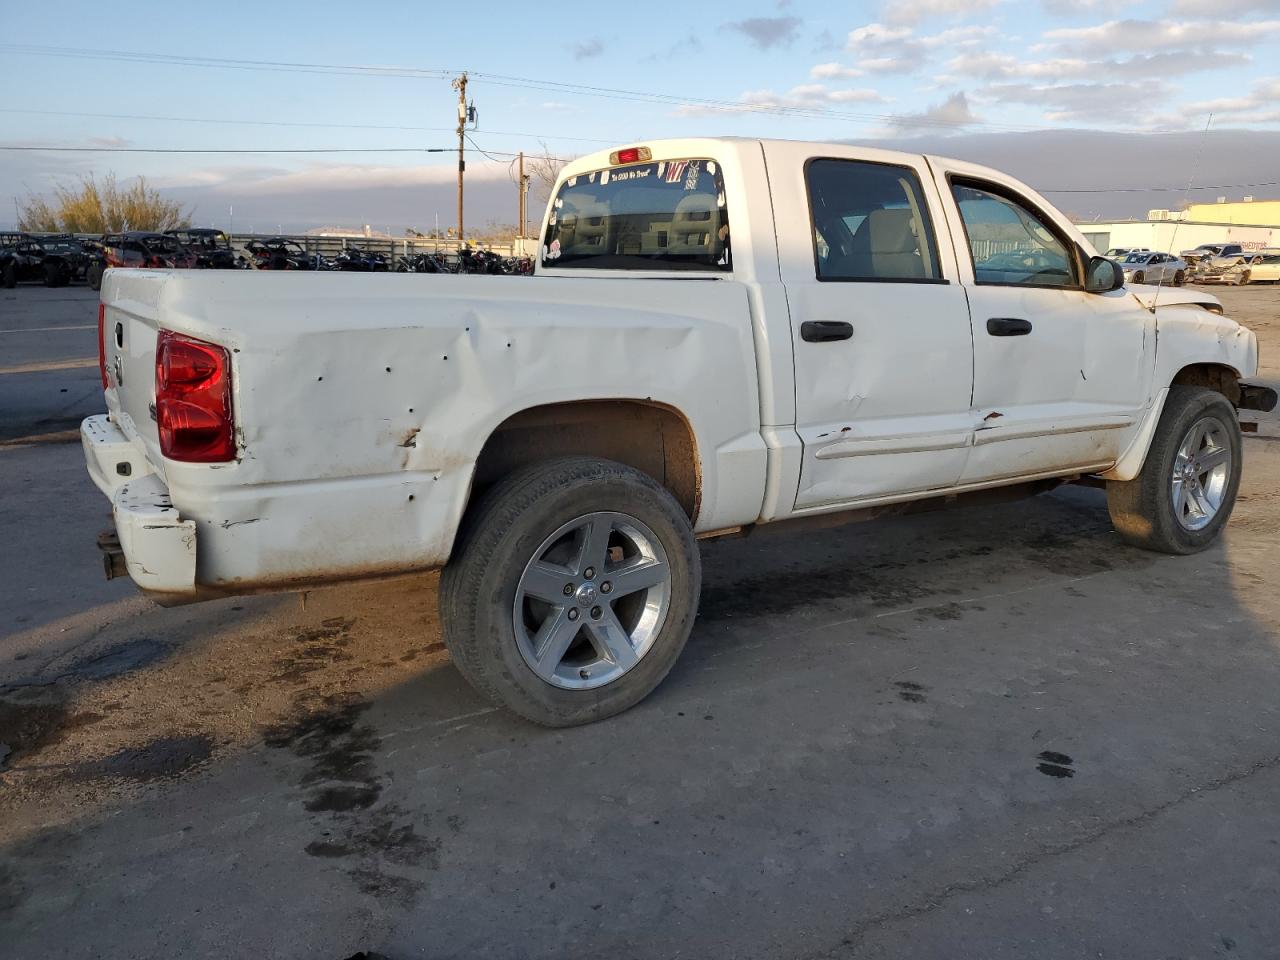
1243, 279
94, 276
9, 279
1179, 278
1183, 496
572, 590
1139, 277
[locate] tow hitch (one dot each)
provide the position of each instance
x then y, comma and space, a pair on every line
113, 562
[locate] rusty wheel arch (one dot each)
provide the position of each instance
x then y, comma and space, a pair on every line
1214, 376
651, 437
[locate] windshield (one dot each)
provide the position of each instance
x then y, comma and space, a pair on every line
669, 215
1136, 258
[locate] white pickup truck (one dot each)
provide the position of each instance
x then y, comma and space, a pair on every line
720, 333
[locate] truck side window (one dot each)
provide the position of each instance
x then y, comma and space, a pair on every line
1010, 244
870, 222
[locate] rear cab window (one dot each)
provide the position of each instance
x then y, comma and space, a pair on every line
660, 215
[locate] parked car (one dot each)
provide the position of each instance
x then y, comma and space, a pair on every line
1154, 268
212, 248
1119, 253
1233, 268
559, 445
360, 260
53, 260
1265, 269
281, 253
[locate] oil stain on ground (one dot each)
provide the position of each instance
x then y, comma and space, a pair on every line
1054, 764
161, 759
314, 650
342, 790
910, 691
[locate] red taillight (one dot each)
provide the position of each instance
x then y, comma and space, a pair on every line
630, 155
102, 343
193, 400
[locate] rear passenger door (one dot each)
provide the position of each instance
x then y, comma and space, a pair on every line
880, 327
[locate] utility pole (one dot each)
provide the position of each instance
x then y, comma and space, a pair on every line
460, 84
524, 199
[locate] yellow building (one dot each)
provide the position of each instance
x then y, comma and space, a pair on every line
1246, 212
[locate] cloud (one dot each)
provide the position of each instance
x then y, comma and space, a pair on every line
951, 112
1224, 8
810, 97
767, 32
681, 48
109, 142
834, 71
1078, 102
881, 48
587, 49
913, 11
1119, 36
318, 178
989, 65
1260, 105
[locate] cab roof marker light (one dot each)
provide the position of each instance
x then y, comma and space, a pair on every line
630, 155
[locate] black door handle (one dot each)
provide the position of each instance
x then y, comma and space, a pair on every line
824, 331
1008, 327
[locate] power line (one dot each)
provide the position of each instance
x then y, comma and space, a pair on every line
794, 111
228, 150
290, 123
1182, 189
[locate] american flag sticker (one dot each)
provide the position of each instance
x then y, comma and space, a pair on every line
675, 171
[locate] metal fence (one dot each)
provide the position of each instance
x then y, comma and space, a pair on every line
391, 248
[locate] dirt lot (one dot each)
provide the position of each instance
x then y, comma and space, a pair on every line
989, 732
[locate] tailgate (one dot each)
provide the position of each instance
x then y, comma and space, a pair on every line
131, 305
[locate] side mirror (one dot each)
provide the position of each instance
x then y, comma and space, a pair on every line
1103, 276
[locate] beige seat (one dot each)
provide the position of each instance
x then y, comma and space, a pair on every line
885, 245
694, 225
588, 228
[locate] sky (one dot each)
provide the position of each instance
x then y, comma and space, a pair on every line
1077, 96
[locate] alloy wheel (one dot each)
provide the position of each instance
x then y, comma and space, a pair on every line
1201, 471
592, 600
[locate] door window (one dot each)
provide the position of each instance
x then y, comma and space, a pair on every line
1010, 244
870, 222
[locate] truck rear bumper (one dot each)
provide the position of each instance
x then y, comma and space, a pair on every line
159, 546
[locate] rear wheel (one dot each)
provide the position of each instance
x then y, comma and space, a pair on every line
572, 590
1186, 490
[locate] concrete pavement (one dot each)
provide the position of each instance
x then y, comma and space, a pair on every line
990, 732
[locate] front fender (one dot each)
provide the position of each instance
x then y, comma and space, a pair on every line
1187, 335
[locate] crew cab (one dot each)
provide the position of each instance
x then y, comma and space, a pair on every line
720, 334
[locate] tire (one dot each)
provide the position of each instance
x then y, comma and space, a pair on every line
94, 276
10, 277
55, 275
1139, 277
1179, 278
1145, 511
1243, 279
547, 513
